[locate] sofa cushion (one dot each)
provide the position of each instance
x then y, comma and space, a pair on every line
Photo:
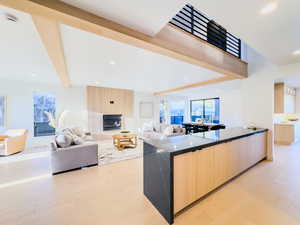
148, 127
67, 131
77, 140
168, 131
78, 131
177, 129
63, 140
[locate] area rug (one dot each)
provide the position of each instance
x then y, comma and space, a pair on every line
110, 154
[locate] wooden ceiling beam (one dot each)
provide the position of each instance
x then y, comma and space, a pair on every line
49, 32
170, 42
194, 85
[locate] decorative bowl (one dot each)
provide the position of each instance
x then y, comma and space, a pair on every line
124, 131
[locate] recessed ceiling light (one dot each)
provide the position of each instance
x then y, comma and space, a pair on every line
11, 17
297, 52
270, 7
33, 75
112, 62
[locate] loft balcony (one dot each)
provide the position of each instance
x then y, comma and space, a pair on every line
208, 44
194, 22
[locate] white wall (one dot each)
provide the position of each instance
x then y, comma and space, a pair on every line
258, 91
136, 122
20, 105
230, 101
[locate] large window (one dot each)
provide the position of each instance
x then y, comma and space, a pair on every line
177, 110
207, 109
43, 102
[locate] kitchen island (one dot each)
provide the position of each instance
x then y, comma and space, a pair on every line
181, 170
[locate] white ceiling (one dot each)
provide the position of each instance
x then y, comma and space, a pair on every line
275, 35
145, 16
291, 81
87, 55
22, 52
88, 58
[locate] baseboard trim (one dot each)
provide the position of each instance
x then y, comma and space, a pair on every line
79, 168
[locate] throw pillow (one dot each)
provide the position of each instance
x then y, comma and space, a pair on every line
67, 131
63, 140
77, 131
176, 129
77, 140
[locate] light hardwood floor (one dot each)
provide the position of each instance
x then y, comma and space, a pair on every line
268, 194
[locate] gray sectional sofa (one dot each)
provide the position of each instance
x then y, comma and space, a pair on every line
73, 157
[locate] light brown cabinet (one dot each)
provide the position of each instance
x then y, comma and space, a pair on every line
287, 133
197, 173
110, 100
205, 181
222, 164
184, 181
284, 99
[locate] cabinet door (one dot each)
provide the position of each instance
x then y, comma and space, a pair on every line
184, 180
259, 147
204, 171
237, 156
222, 164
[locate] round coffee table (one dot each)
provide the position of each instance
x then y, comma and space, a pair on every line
122, 141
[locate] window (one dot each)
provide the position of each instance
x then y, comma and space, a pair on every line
177, 110
162, 112
43, 102
208, 109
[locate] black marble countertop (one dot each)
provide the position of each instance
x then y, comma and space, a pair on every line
180, 144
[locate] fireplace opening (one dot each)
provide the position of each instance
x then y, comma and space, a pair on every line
112, 122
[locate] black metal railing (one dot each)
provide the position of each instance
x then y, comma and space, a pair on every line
194, 22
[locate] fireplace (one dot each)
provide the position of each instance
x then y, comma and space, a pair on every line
112, 122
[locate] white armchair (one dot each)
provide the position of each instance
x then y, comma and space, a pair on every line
14, 141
